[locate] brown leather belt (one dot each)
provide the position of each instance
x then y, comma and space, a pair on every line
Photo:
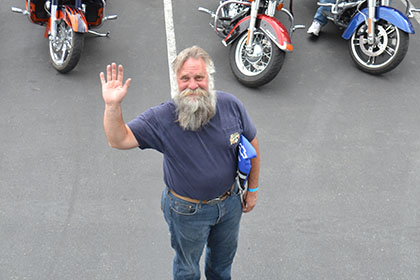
210, 201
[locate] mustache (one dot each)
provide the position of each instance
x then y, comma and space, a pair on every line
188, 92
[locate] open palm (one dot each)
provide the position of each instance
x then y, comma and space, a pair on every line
113, 89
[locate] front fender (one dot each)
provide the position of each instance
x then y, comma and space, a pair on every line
73, 17
389, 14
271, 27
76, 19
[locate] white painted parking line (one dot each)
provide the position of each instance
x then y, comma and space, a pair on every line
170, 42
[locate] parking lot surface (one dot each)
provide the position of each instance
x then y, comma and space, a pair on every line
340, 149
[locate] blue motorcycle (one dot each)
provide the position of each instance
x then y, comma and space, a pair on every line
378, 35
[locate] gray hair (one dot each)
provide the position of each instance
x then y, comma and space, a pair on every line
193, 52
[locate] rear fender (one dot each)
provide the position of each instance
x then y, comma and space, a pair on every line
386, 13
271, 27
73, 18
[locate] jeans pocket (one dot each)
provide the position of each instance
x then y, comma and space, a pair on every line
183, 208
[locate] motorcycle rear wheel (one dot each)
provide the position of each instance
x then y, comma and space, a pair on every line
387, 52
66, 49
260, 67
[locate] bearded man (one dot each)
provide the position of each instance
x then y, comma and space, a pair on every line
198, 133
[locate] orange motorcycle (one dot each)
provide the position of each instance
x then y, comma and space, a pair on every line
66, 21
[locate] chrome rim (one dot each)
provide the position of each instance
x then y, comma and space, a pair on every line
254, 62
60, 47
383, 49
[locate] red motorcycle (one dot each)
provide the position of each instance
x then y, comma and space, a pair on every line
258, 40
66, 21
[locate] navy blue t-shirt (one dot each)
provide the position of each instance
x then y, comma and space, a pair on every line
197, 164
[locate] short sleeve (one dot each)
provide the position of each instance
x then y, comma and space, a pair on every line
147, 131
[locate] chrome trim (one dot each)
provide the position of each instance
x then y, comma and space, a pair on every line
216, 17
251, 29
411, 9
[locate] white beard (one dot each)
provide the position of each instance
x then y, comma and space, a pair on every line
195, 111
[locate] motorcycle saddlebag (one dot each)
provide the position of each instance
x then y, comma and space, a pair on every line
37, 11
94, 12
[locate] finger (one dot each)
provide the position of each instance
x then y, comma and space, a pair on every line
244, 206
102, 78
108, 72
114, 71
120, 73
247, 209
127, 84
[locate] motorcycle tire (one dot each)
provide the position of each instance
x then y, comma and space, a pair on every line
66, 49
260, 67
389, 49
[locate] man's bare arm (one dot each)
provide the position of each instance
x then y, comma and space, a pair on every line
117, 132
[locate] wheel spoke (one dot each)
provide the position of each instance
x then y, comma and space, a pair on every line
371, 60
261, 66
63, 53
390, 29
67, 43
363, 41
390, 51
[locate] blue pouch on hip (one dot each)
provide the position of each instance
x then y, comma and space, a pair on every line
245, 153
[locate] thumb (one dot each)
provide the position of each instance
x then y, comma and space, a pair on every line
127, 84
102, 78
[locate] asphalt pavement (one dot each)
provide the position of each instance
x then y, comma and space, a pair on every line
340, 149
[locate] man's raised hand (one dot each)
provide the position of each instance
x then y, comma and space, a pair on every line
113, 89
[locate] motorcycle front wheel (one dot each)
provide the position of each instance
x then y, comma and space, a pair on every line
388, 49
256, 68
66, 48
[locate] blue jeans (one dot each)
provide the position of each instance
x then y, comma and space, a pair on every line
195, 225
319, 16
